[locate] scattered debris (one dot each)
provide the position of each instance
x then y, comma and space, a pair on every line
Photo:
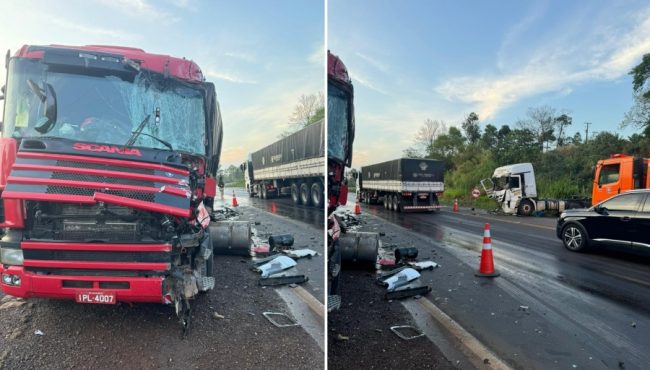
401, 278
280, 242
633, 324
423, 265
38, 332
486, 360
403, 282
406, 332
405, 254
342, 338
300, 253
224, 213
216, 315
277, 264
523, 308
288, 320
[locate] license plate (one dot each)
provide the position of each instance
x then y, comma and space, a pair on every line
96, 297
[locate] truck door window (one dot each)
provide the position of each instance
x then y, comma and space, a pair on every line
337, 122
626, 202
609, 174
513, 182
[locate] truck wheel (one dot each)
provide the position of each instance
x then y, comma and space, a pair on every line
395, 203
526, 208
295, 193
305, 195
263, 191
386, 201
317, 194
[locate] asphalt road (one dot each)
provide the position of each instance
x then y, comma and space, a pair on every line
228, 327
550, 308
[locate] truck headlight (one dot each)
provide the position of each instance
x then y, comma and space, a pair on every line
9, 256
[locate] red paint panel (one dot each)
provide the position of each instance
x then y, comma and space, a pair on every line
99, 160
47, 197
14, 209
95, 172
97, 265
51, 286
210, 187
105, 247
81, 184
175, 191
133, 203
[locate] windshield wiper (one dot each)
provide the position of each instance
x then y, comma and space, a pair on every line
137, 132
165, 143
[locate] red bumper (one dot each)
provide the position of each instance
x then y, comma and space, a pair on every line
132, 289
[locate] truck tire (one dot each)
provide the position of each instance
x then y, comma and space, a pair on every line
263, 191
526, 208
386, 201
395, 205
317, 194
295, 193
305, 194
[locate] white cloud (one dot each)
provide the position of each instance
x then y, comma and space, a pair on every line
610, 51
241, 55
228, 77
92, 30
141, 9
358, 79
318, 55
373, 62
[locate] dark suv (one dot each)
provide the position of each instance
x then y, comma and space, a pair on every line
623, 220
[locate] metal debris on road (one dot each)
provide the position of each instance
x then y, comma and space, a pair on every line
402, 331
300, 253
38, 332
523, 308
401, 278
269, 316
423, 265
278, 264
216, 315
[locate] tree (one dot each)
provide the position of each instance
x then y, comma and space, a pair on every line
309, 110
639, 113
490, 137
471, 128
540, 122
424, 138
561, 122
448, 145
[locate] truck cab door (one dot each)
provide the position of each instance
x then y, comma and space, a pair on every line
488, 186
606, 182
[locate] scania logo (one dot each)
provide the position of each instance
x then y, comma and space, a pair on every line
423, 166
107, 149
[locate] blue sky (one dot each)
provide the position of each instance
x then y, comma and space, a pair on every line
261, 55
418, 59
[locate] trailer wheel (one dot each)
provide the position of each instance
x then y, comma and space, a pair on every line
396, 207
386, 201
526, 208
295, 193
305, 195
317, 194
263, 191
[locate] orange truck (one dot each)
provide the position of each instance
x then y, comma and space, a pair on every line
618, 174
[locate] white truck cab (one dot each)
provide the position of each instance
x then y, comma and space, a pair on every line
247, 168
513, 187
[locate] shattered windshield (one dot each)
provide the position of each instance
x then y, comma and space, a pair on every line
105, 108
337, 123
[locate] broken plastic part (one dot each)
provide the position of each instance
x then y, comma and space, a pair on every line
276, 265
402, 331
423, 265
269, 316
401, 278
300, 253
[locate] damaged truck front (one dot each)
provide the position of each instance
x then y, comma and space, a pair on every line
107, 172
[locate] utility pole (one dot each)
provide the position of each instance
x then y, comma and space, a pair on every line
587, 131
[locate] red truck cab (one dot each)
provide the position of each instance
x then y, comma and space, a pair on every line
108, 160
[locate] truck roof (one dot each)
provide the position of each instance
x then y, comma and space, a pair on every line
179, 68
336, 69
512, 168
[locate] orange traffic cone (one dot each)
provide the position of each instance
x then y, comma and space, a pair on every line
487, 262
456, 205
234, 199
357, 208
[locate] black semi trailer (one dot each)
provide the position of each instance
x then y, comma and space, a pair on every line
403, 185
